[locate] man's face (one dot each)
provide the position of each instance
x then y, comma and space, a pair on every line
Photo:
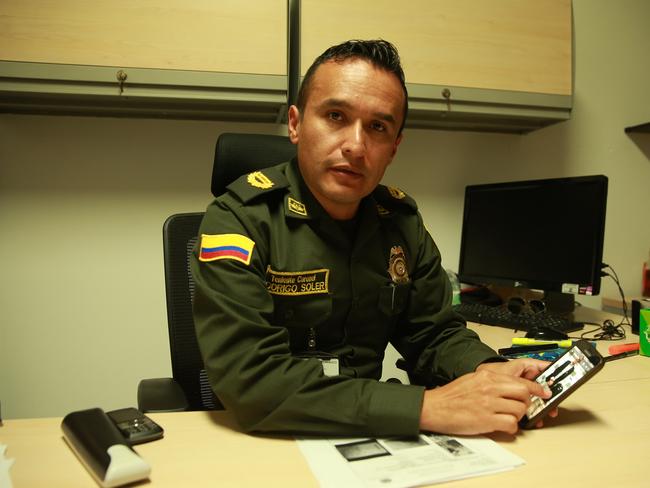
347, 134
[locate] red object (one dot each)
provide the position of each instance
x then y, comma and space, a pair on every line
619, 348
646, 280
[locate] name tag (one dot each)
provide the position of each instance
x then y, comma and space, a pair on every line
294, 283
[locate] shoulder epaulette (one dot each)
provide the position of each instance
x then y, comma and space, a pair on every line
392, 198
252, 185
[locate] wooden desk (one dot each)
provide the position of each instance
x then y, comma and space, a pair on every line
600, 439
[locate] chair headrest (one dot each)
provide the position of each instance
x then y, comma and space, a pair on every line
239, 154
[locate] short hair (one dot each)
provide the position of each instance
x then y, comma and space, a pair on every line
380, 53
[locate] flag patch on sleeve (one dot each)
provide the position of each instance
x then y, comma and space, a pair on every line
226, 246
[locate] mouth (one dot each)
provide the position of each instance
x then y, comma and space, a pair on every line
346, 171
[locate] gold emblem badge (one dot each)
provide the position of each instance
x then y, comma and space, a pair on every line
396, 193
259, 180
381, 210
296, 207
397, 265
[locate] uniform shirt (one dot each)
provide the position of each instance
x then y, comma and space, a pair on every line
276, 278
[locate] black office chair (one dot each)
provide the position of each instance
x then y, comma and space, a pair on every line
189, 389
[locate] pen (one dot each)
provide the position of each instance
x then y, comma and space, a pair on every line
522, 349
622, 355
525, 341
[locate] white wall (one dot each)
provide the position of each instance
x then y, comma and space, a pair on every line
82, 201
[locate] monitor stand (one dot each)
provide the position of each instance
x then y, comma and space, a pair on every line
558, 303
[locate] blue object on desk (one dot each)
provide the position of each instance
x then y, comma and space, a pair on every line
544, 355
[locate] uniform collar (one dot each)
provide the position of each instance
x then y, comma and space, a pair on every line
300, 203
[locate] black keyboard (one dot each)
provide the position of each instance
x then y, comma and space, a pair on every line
502, 317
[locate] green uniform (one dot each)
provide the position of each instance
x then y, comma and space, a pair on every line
276, 278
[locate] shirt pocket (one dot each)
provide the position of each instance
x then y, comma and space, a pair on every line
393, 298
299, 314
301, 311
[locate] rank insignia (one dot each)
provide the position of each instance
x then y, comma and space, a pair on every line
382, 211
296, 207
259, 180
397, 265
396, 192
226, 246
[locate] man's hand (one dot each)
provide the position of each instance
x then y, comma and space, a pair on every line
491, 399
525, 367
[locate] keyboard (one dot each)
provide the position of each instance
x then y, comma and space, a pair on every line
502, 317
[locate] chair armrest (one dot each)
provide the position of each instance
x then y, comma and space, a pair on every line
161, 395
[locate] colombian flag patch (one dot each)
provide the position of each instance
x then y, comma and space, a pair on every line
226, 246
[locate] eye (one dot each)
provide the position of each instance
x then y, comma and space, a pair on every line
378, 126
335, 116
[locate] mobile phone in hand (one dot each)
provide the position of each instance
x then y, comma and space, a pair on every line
563, 376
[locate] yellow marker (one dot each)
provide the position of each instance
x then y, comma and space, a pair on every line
525, 341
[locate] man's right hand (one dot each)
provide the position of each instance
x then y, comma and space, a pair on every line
479, 403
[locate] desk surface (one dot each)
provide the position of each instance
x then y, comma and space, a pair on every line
600, 439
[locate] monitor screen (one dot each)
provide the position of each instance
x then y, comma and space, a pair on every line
542, 234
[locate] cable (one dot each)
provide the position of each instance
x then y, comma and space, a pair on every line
610, 331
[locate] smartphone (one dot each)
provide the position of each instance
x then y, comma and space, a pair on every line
563, 376
135, 426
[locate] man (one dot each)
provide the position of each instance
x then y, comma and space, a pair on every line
306, 270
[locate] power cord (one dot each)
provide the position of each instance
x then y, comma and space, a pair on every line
609, 330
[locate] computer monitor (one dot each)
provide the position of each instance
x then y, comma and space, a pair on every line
541, 234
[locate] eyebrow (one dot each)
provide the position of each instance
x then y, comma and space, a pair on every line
337, 102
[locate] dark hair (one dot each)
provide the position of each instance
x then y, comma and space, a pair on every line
382, 54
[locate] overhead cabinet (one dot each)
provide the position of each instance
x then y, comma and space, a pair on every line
197, 59
501, 65
479, 64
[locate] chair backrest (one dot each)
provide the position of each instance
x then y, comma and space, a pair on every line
179, 237
239, 154
235, 155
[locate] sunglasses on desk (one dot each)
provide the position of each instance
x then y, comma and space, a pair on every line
517, 305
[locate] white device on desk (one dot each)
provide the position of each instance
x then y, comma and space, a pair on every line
102, 448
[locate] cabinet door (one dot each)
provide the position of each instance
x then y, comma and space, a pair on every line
199, 59
501, 65
516, 45
197, 35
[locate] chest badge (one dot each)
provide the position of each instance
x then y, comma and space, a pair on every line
397, 265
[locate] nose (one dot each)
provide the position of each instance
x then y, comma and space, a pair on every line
354, 143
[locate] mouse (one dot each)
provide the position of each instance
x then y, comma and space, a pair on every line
546, 334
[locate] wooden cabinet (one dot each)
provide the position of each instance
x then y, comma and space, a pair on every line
500, 65
201, 58
483, 64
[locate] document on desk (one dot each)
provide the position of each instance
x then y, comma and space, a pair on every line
5, 464
404, 462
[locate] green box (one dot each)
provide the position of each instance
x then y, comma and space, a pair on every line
644, 331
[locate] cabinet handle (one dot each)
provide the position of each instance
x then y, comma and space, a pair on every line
121, 78
446, 94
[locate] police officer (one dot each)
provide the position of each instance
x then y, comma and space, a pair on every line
306, 270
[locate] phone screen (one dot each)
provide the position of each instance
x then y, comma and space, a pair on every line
568, 370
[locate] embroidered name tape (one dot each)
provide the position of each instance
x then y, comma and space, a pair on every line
297, 282
226, 246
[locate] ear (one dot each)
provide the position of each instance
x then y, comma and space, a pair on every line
294, 122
